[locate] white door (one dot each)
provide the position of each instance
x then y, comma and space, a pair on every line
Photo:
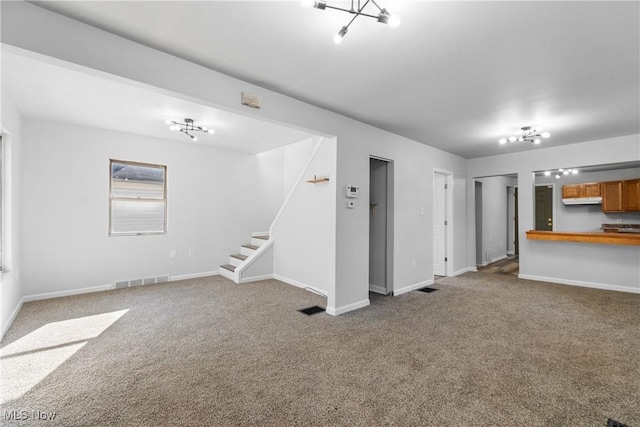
439, 217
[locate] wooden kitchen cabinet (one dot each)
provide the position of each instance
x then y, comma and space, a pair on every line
572, 191
591, 189
631, 195
612, 196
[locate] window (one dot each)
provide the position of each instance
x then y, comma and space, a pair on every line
137, 198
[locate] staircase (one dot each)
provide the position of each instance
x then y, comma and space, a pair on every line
247, 252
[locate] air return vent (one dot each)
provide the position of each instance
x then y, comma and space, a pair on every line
139, 282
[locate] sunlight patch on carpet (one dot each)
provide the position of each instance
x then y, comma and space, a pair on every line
28, 360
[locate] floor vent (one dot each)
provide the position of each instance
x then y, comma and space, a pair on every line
121, 284
427, 289
614, 423
140, 282
312, 310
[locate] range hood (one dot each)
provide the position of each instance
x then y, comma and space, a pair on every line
583, 201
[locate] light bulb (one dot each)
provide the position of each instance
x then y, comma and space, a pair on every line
210, 131
513, 139
169, 122
174, 127
557, 176
545, 134
503, 141
561, 170
566, 172
394, 21
536, 141
194, 138
547, 173
307, 3
575, 171
337, 39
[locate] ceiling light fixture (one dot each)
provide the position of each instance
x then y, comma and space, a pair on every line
529, 134
383, 16
187, 127
560, 172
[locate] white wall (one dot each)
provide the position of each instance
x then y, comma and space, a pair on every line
304, 231
413, 165
32, 28
587, 217
11, 277
595, 265
216, 198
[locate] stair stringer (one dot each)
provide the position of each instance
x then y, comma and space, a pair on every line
266, 266
258, 266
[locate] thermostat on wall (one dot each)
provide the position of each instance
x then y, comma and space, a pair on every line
352, 191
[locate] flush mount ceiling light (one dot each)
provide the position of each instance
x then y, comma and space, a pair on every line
558, 174
383, 16
187, 127
529, 134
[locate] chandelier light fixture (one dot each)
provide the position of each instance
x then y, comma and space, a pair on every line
187, 127
558, 174
529, 134
383, 16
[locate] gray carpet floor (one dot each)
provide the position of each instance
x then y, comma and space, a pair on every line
484, 350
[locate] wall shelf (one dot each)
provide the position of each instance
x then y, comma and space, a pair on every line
594, 237
318, 180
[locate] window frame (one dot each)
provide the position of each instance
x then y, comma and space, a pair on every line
141, 199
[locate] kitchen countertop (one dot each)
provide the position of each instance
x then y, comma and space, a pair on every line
620, 238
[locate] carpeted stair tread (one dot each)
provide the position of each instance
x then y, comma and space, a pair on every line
239, 256
229, 267
254, 247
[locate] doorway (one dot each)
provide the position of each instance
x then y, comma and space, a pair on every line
544, 207
380, 226
439, 224
478, 197
512, 221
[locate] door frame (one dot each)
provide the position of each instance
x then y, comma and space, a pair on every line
512, 209
448, 215
390, 220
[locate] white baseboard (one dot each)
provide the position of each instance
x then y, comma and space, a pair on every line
299, 284
378, 289
511, 252
464, 270
36, 297
413, 287
256, 278
347, 308
579, 283
11, 318
193, 276
498, 258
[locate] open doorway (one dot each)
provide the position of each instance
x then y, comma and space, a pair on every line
512, 221
496, 223
380, 226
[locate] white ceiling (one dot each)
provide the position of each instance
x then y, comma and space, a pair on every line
49, 91
454, 75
